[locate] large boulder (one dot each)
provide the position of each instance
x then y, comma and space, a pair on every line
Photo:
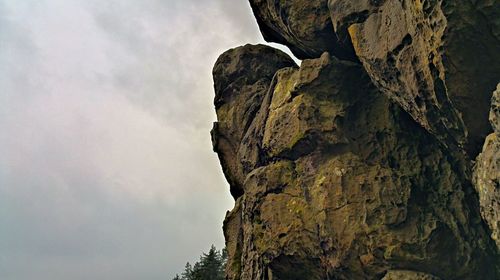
357, 164
348, 186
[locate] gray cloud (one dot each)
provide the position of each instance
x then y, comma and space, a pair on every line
105, 108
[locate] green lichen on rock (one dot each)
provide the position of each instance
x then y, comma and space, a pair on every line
487, 173
356, 165
437, 59
374, 191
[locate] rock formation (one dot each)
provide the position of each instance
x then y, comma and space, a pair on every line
437, 58
356, 165
304, 26
487, 173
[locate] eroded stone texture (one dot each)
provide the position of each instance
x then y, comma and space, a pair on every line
437, 58
242, 79
408, 275
495, 111
347, 185
487, 173
303, 25
471, 44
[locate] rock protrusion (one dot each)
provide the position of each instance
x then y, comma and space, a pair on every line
487, 173
302, 25
437, 59
242, 77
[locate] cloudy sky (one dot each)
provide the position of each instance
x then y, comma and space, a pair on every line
106, 167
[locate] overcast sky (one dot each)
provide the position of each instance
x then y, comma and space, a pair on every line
106, 166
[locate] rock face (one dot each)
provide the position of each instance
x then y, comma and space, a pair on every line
487, 173
438, 59
243, 79
303, 25
355, 165
408, 275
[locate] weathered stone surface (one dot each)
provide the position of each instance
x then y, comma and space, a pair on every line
487, 173
359, 168
408, 275
471, 62
438, 59
303, 25
347, 186
495, 111
242, 77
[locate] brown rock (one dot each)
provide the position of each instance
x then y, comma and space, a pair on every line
495, 111
407, 275
302, 25
487, 173
349, 187
241, 79
437, 59
349, 170
472, 65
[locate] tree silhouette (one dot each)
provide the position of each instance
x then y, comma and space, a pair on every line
210, 267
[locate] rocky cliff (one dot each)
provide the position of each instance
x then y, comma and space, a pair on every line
361, 162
